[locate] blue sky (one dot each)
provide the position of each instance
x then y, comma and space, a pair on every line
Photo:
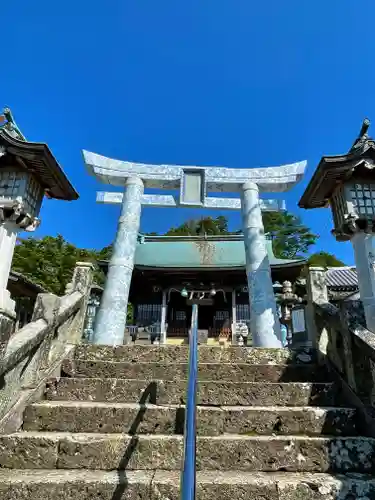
215, 82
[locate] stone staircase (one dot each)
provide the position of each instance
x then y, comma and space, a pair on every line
270, 426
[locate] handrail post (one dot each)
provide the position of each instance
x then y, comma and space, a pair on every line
188, 475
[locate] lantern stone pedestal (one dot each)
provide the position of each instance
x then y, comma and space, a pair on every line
13, 219
8, 235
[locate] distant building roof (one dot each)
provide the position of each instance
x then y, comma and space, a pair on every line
340, 278
197, 252
22, 286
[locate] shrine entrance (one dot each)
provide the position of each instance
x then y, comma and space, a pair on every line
191, 185
215, 314
178, 316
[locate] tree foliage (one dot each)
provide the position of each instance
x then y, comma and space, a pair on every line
105, 253
50, 261
290, 237
205, 225
324, 259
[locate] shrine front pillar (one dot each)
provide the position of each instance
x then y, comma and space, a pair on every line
111, 320
264, 321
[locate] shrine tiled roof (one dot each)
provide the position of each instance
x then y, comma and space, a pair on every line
199, 252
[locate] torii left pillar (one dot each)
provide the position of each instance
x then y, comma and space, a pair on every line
111, 320
264, 321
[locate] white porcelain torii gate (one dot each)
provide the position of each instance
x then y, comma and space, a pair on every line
193, 184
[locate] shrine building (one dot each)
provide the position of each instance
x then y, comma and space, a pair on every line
173, 272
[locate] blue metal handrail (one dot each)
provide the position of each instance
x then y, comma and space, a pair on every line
188, 475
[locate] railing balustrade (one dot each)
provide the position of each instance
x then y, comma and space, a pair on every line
188, 475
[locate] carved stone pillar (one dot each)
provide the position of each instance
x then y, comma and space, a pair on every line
317, 292
264, 321
364, 255
81, 282
111, 321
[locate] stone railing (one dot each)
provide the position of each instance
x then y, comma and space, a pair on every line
346, 345
34, 353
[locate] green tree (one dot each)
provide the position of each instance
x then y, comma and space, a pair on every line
205, 225
105, 253
50, 261
290, 237
324, 259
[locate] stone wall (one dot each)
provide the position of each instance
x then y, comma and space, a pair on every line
34, 353
346, 346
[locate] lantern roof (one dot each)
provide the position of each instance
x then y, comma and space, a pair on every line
334, 170
33, 157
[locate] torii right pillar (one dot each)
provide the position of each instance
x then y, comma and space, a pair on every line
264, 321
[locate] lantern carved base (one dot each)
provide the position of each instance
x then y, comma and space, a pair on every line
13, 211
353, 224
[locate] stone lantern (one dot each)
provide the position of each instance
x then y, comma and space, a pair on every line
346, 183
28, 171
288, 300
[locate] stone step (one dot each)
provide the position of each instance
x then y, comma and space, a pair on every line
209, 393
206, 354
142, 485
241, 372
37, 450
133, 418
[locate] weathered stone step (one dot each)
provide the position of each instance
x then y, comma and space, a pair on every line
142, 485
48, 450
240, 372
133, 418
209, 393
206, 354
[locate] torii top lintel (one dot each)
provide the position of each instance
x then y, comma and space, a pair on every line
216, 179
